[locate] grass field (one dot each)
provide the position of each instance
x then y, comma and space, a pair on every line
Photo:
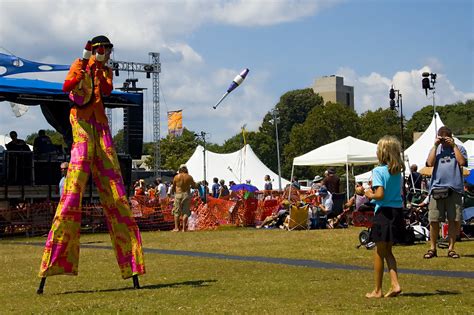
186, 284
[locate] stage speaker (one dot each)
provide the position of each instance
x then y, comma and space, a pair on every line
19, 168
125, 161
47, 172
133, 130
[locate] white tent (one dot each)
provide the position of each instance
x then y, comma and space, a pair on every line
347, 151
364, 177
469, 146
418, 152
238, 166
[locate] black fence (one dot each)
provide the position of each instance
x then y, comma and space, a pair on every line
21, 171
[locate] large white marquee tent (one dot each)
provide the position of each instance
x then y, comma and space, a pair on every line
238, 166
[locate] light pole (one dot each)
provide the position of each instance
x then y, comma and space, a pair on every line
398, 104
276, 119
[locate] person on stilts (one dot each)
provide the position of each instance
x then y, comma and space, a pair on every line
88, 80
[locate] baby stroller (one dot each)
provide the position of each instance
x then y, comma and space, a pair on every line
363, 217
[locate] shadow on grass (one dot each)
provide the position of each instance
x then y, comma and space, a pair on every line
193, 283
437, 292
93, 242
468, 256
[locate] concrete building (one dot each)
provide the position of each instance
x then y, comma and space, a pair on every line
332, 89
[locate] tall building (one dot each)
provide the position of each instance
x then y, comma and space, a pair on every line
332, 89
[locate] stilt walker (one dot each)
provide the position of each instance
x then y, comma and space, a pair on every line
92, 152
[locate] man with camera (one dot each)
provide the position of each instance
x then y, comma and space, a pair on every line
446, 189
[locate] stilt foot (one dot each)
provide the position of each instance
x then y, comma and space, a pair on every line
41, 286
136, 284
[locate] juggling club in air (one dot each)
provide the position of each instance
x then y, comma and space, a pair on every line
235, 83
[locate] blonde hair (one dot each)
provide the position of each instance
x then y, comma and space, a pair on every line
388, 152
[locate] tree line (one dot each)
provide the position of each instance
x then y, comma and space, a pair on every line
305, 123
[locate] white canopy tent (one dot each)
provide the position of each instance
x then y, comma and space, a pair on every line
238, 166
469, 146
347, 151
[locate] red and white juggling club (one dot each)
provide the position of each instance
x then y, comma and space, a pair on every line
235, 83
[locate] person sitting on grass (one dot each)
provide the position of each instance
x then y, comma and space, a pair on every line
354, 203
277, 219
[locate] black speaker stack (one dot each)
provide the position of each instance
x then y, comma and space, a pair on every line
133, 130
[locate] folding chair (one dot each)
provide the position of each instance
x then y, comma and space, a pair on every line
298, 218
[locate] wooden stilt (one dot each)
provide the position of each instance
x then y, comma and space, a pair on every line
41, 286
136, 284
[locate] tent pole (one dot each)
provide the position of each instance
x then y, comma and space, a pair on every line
291, 181
347, 180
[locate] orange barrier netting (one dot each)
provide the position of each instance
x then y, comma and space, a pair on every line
35, 218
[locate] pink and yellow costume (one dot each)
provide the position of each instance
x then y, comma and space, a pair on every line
92, 151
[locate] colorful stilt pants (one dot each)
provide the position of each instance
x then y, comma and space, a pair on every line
92, 151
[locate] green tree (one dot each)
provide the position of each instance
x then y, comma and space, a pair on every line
175, 150
148, 148
323, 125
381, 122
56, 137
119, 141
459, 117
293, 108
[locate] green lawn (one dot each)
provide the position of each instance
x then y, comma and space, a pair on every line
184, 284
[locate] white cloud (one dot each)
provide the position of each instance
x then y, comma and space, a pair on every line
266, 12
371, 91
54, 31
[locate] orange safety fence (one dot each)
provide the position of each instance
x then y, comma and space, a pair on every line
216, 212
267, 208
22, 218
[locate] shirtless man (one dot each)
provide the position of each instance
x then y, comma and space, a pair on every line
182, 184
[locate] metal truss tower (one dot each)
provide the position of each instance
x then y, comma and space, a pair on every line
108, 113
156, 109
154, 69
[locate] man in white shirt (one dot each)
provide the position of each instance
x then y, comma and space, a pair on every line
162, 192
325, 207
64, 166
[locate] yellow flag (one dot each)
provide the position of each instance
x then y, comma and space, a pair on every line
243, 134
175, 123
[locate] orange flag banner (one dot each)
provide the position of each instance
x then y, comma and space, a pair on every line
175, 123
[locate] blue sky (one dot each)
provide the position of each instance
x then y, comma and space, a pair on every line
285, 44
